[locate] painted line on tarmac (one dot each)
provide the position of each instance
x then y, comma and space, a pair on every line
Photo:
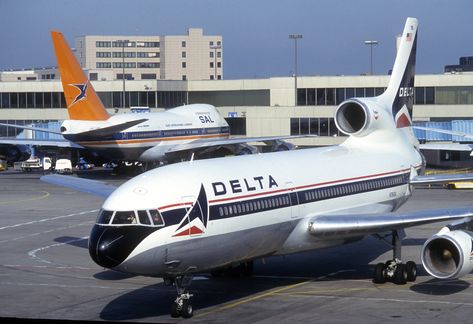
19, 266
46, 232
440, 302
250, 299
273, 292
49, 219
33, 253
45, 195
21, 284
306, 278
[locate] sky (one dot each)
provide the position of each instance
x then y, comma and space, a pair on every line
255, 32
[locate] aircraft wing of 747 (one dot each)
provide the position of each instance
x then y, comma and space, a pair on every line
201, 216
146, 137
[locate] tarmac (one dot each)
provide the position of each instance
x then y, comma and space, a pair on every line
47, 274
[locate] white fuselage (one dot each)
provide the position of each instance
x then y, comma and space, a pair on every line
150, 140
232, 209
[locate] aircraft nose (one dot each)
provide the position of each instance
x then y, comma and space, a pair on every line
103, 246
109, 246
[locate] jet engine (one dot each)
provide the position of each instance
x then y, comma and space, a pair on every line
359, 116
448, 254
280, 145
15, 153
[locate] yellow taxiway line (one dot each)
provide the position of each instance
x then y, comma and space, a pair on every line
45, 195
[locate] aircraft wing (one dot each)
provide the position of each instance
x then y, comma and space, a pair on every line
56, 143
93, 187
99, 132
347, 226
230, 141
441, 178
36, 129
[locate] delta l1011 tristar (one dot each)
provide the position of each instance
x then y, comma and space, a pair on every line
149, 137
202, 216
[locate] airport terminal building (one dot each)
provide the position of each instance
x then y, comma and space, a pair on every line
253, 107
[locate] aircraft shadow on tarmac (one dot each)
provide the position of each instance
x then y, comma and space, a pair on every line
438, 287
156, 300
112, 275
73, 241
352, 261
337, 263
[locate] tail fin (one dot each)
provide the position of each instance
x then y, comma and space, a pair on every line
400, 91
81, 98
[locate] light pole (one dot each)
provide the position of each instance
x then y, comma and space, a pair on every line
295, 37
371, 43
147, 94
215, 48
123, 68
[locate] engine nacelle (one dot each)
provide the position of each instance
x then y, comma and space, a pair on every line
15, 153
448, 254
360, 116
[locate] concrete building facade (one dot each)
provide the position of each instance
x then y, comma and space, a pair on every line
253, 107
181, 57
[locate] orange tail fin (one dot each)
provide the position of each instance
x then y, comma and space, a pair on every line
82, 101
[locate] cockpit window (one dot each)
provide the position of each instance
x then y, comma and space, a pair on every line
144, 218
125, 217
132, 217
156, 217
104, 216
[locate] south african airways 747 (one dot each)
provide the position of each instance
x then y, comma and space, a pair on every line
158, 136
202, 216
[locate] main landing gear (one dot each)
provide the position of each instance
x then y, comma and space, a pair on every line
394, 270
182, 304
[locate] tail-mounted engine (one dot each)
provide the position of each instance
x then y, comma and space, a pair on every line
448, 254
360, 116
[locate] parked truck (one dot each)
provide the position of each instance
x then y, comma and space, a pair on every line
63, 166
36, 164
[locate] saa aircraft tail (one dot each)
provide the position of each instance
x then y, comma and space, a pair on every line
82, 101
359, 117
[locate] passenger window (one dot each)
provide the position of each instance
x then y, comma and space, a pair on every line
104, 216
156, 217
143, 217
124, 217
220, 211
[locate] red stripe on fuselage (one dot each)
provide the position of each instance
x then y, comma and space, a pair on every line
291, 189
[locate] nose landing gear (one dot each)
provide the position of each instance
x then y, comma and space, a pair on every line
181, 305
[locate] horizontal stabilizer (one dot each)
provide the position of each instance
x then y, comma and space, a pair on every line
93, 187
441, 178
347, 226
108, 131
